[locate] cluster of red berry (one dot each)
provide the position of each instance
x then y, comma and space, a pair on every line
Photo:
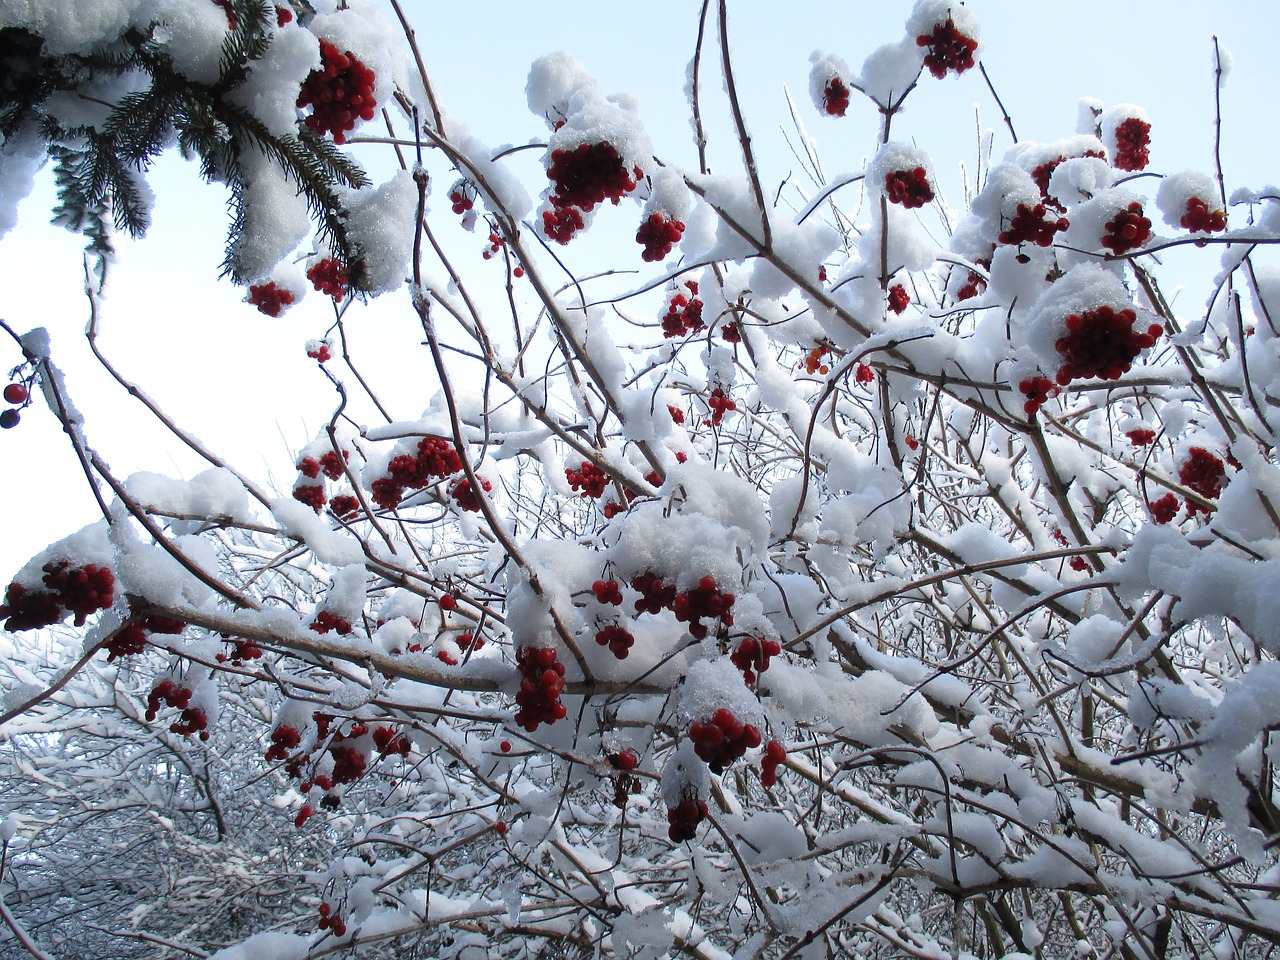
949, 49
617, 638
326, 621
1164, 509
1204, 473
1133, 138
541, 682
655, 593
344, 506
775, 754
812, 361
908, 187
589, 174
462, 195
720, 405
1102, 343
18, 395
835, 97
723, 739
320, 350
329, 920
465, 497
590, 480
132, 636
561, 223
269, 298
1037, 391
496, 243
731, 332
971, 288
898, 298
658, 234
1200, 217
684, 313
864, 374
436, 458
330, 464
312, 494
1140, 437
191, 720
76, 590
329, 276
684, 817
704, 600
1127, 230
339, 93
1032, 224
606, 591
752, 657
284, 739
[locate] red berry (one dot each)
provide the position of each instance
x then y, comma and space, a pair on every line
500, 828
835, 97
505, 746
448, 602
9, 419
908, 187
949, 49
1133, 137
15, 393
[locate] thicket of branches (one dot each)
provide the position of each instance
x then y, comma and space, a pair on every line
819, 590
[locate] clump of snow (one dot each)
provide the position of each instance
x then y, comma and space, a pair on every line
380, 223
685, 776
270, 91
189, 32
824, 68
1085, 287
891, 70
68, 27
275, 217
555, 81
21, 155
714, 683
926, 14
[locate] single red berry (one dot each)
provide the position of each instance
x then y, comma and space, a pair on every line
448, 602
505, 746
9, 419
500, 828
15, 393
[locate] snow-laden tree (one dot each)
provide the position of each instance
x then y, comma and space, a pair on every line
842, 573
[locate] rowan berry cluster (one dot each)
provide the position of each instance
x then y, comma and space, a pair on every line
326, 621
462, 195
589, 174
812, 361
720, 405
590, 480
284, 739
972, 287
607, 592
775, 754
835, 97
1164, 509
465, 496
1037, 391
320, 350
684, 313
339, 93
703, 601
1133, 138
436, 458
617, 638
329, 920
561, 223
1032, 224
722, 739
312, 494
269, 298
132, 636
908, 187
658, 234
76, 590
1127, 230
864, 374
344, 506
541, 682
684, 817
731, 332
1101, 343
949, 49
1204, 473
1200, 218
191, 720
752, 657
1140, 437
898, 298
329, 276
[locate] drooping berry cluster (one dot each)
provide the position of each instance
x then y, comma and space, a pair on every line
436, 458
723, 739
242, 650
949, 49
1133, 140
1037, 391
1141, 437
590, 480
269, 298
191, 720
864, 374
720, 405
541, 682
971, 288
752, 657
589, 174
655, 593
326, 621
617, 638
1201, 218
284, 739
462, 196
731, 332
1164, 509
339, 93
684, 817
312, 494
320, 350
19, 396
658, 234
835, 97
561, 223
329, 276
684, 313
898, 298
775, 754
1127, 230
908, 187
329, 919
465, 496
1101, 343
1032, 224
496, 243
703, 601
607, 592
76, 590
812, 361
1204, 473
344, 506
132, 636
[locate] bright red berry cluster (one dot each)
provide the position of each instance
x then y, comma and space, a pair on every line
684, 817
775, 754
436, 458
132, 637
462, 196
312, 494
1032, 224
864, 374
1127, 230
658, 234
191, 720
684, 313
812, 361
541, 682
1101, 343
1199, 218
465, 497
329, 276
606, 591
344, 506
284, 739
949, 49
496, 243
720, 405
1204, 473
731, 332
329, 920
326, 621
908, 187
972, 287
1141, 436
752, 657
339, 93
655, 593
1164, 509
1133, 138
1037, 391
722, 739
704, 600
835, 97
589, 174
617, 638
76, 590
898, 298
320, 350
561, 223
269, 298
591, 481
242, 650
